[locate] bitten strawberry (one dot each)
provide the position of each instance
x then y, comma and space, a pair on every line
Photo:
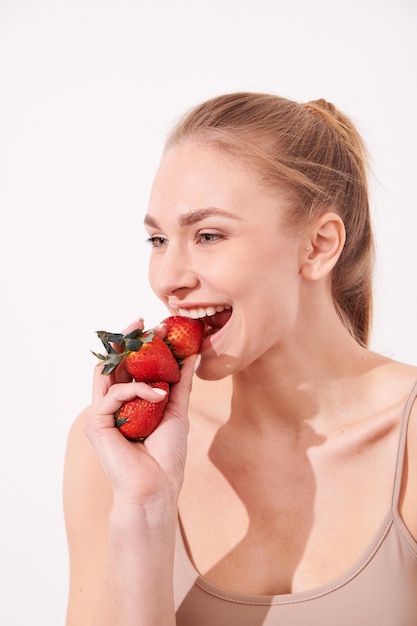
184, 335
138, 418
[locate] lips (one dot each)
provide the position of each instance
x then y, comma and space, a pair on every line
214, 317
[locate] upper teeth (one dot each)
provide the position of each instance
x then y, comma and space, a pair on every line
202, 311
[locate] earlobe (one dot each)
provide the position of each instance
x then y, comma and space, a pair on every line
324, 246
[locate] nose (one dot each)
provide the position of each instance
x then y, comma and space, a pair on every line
171, 271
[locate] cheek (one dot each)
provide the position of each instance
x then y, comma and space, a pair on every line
273, 293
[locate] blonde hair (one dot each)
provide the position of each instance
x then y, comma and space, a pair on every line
313, 152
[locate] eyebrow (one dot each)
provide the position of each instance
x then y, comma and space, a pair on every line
192, 217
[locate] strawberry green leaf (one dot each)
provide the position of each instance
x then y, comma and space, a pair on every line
109, 361
109, 368
133, 345
106, 338
102, 357
134, 334
116, 338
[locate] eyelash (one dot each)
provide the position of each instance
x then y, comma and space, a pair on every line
211, 237
159, 241
156, 242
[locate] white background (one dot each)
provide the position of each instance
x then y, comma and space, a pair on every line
88, 90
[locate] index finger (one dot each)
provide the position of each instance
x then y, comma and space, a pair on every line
101, 382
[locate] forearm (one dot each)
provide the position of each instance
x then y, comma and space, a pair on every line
137, 586
145, 480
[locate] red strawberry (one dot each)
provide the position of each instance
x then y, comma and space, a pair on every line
184, 335
138, 418
145, 356
153, 361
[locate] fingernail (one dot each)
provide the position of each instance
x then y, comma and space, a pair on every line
197, 362
161, 392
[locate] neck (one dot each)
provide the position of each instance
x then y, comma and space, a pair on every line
298, 378
311, 378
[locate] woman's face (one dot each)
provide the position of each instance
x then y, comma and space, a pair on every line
219, 252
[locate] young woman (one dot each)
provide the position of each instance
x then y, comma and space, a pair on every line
283, 489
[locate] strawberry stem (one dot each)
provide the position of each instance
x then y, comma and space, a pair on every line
131, 342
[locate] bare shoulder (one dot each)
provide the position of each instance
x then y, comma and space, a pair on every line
404, 378
87, 501
408, 504
412, 422
402, 381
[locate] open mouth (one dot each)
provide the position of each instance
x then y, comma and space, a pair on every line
214, 318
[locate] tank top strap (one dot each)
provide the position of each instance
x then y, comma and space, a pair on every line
402, 449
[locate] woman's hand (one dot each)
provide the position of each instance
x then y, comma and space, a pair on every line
149, 473
121, 521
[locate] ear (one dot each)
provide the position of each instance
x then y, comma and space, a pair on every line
323, 246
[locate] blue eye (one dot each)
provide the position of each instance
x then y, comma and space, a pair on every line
157, 242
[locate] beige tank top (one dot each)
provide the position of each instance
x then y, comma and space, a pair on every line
379, 590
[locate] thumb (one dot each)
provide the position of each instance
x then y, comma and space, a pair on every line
169, 440
180, 392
